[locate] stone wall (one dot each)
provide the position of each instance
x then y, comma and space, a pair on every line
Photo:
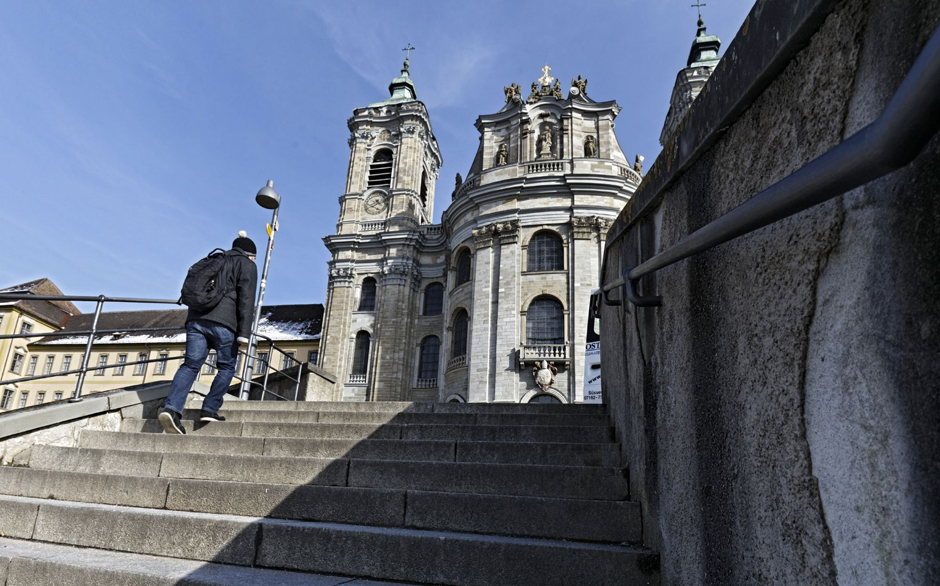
779, 413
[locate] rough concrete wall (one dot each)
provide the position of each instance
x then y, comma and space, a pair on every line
779, 412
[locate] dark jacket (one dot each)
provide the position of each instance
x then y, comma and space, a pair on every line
236, 310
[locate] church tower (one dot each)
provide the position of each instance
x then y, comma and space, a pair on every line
375, 271
703, 58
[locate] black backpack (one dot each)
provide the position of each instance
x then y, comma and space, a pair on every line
203, 290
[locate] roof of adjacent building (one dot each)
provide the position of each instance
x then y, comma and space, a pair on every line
57, 313
278, 322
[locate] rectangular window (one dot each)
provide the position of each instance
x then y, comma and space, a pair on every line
7, 399
261, 366
31, 369
102, 361
288, 361
211, 361
47, 368
26, 329
313, 357
58, 396
66, 363
122, 360
139, 369
23, 397
161, 366
1, 322
40, 397
17, 365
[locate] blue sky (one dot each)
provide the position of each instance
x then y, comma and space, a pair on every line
135, 134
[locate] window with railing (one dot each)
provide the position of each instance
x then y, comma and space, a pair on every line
161, 366
380, 171
434, 299
461, 321
31, 368
140, 368
102, 362
429, 358
546, 253
367, 296
545, 322
47, 367
119, 369
360, 364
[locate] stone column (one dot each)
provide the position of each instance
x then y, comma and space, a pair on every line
586, 231
336, 324
508, 302
394, 327
478, 362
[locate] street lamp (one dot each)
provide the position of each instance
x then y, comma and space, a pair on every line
269, 200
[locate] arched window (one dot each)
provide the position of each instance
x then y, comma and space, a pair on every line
545, 322
360, 363
424, 188
430, 355
367, 298
380, 171
545, 399
434, 299
546, 252
463, 267
460, 334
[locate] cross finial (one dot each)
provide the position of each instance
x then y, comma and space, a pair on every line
698, 4
546, 79
408, 51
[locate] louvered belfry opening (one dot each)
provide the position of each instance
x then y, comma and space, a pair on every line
380, 172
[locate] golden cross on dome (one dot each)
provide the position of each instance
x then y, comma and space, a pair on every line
546, 79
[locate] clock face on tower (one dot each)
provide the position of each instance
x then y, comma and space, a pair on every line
375, 203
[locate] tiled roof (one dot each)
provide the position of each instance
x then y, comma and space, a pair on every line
54, 312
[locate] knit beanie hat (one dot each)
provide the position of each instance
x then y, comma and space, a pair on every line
245, 243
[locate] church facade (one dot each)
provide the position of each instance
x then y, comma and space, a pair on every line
463, 310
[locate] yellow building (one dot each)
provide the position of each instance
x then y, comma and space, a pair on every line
128, 338
25, 318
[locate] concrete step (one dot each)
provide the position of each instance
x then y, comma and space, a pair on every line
405, 407
498, 433
464, 477
31, 563
383, 417
573, 519
430, 557
562, 454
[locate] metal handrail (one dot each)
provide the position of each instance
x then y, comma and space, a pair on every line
910, 120
268, 368
94, 332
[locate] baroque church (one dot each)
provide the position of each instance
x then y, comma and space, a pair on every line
463, 310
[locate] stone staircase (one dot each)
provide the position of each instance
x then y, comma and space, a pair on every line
331, 493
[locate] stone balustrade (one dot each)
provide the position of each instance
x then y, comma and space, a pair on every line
457, 362
372, 226
546, 167
357, 379
550, 352
426, 383
630, 174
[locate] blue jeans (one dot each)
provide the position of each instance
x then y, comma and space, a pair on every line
201, 335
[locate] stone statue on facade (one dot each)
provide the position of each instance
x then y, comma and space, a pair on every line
512, 91
581, 84
545, 147
459, 182
502, 155
544, 375
556, 90
534, 96
590, 147
638, 165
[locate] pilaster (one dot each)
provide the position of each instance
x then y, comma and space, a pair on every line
480, 322
508, 303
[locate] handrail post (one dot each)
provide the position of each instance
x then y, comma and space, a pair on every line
88, 345
267, 368
300, 370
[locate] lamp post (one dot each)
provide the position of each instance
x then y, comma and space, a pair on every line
269, 200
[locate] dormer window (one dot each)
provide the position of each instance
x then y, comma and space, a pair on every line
380, 171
